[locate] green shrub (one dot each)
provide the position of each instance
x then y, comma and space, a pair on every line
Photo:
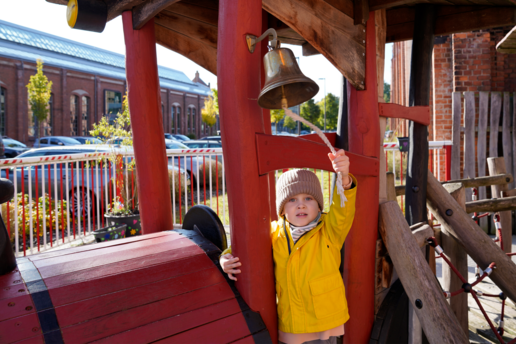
191, 136
205, 177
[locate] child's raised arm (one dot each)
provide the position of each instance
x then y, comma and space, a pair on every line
229, 265
340, 162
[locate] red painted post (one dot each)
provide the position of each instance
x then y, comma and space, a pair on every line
359, 260
239, 86
147, 124
448, 162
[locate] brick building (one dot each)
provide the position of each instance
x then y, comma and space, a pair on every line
88, 83
461, 62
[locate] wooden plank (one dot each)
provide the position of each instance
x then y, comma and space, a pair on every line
469, 139
103, 245
11, 291
225, 330
421, 234
436, 317
458, 257
391, 187
309, 50
20, 328
509, 193
514, 137
39, 339
134, 317
196, 30
506, 135
419, 114
124, 299
203, 55
476, 19
304, 153
77, 265
16, 306
345, 6
483, 107
246, 340
456, 120
93, 282
360, 11
494, 123
147, 10
508, 43
192, 11
212, 4
472, 238
497, 166
326, 27
492, 205
176, 324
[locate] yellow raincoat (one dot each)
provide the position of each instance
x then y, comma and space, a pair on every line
309, 286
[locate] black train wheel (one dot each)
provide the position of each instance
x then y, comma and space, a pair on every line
391, 324
208, 223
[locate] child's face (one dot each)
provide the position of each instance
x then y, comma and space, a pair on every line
301, 209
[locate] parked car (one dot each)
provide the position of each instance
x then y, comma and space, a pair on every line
52, 141
177, 137
87, 140
13, 148
212, 138
93, 189
171, 144
203, 144
2, 149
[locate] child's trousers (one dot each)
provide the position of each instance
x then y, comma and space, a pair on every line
331, 340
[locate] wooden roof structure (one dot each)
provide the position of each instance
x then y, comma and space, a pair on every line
334, 28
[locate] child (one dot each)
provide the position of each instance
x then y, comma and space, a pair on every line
306, 245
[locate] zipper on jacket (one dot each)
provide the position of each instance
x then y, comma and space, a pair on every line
286, 235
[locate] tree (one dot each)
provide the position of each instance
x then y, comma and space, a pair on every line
311, 112
215, 94
332, 111
39, 90
289, 123
387, 92
209, 112
276, 116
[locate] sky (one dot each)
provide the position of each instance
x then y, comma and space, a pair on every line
28, 13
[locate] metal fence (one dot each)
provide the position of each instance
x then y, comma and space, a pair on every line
59, 199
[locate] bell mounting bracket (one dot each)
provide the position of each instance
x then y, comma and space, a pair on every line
251, 40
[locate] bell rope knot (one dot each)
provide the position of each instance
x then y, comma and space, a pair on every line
288, 112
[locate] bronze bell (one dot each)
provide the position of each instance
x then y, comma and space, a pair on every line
284, 78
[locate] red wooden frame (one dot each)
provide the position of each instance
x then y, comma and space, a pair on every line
418, 114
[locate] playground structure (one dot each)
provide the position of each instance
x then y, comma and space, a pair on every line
72, 295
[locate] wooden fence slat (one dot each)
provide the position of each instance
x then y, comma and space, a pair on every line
506, 134
456, 119
483, 108
494, 123
514, 137
469, 138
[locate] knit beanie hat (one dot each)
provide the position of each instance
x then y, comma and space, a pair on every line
295, 182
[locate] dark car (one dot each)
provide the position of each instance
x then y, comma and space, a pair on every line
2, 149
13, 148
87, 140
203, 144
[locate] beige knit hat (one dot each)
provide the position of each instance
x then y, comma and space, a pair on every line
295, 182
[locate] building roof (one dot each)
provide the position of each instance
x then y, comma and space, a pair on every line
18, 42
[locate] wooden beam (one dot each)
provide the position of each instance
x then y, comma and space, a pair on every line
360, 11
470, 183
472, 238
193, 11
419, 114
496, 166
380, 4
474, 19
491, 205
421, 234
304, 153
327, 26
199, 53
147, 10
508, 44
309, 50
196, 30
437, 319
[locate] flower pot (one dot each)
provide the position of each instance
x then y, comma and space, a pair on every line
110, 233
134, 226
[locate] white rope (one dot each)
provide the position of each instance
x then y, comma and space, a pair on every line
340, 188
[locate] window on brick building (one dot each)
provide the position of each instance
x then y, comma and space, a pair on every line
112, 104
85, 114
163, 115
193, 119
74, 105
3, 109
175, 112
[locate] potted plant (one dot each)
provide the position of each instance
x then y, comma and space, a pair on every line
120, 211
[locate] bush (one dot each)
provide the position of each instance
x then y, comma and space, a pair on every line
205, 177
173, 178
191, 136
30, 208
